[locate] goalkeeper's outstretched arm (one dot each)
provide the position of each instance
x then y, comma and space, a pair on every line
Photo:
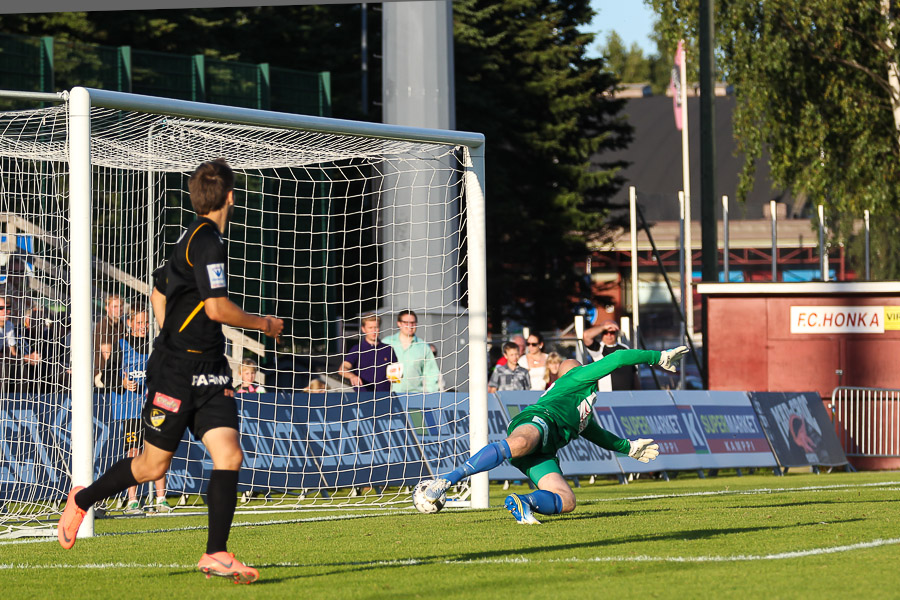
643, 450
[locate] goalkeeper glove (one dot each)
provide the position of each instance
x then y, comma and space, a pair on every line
669, 358
643, 450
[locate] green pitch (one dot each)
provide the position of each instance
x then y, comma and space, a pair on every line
800, 536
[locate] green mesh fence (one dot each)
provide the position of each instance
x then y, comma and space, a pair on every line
165, 74
300, 92
25, 64
42, 64
235, 84
88, 65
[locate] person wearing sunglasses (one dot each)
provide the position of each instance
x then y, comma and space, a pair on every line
535, 360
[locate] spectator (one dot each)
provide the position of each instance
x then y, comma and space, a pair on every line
506, 378
519, 341
8, 330
39, 350
108, 330
108, 377
420, 369
602, 340
134, 351
366, 364
535, 361
551, 374
248, 383
9, 367
442, 385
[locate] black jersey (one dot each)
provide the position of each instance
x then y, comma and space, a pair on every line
195, 272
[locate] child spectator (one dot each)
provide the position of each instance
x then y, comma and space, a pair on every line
248, 383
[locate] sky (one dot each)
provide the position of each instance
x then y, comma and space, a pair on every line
631, 19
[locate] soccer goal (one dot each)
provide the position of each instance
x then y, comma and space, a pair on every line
333, 220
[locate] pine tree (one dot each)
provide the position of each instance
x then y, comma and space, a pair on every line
522, 79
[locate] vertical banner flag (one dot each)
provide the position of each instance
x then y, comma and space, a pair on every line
675, 84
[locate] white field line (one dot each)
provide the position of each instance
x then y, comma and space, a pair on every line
383, 512
489, 561
809, 488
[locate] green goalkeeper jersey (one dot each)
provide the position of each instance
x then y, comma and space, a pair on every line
570, 400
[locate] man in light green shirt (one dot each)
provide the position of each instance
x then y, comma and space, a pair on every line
420, 369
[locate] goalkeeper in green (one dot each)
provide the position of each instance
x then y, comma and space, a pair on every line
535, 435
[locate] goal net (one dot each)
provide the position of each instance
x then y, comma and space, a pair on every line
333, 220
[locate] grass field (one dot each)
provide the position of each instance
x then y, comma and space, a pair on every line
832, 535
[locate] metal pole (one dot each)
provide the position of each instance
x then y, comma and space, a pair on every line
80, 278
868, 273
364, 52
636, 322
709, 250
681, 268
725, 236
823, 261
579, 338
686, 179
772, 206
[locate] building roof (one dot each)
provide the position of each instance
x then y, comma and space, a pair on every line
656, 168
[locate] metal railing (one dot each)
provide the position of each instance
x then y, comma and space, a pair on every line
867, 421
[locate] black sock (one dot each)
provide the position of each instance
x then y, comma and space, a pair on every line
221, 496
118, 478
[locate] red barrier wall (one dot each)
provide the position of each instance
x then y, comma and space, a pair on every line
750, 345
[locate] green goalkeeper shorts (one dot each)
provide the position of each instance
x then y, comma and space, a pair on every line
543, 460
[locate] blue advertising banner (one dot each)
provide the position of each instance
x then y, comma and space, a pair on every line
315, 441
724, 429
648, 414
580, 457
441, 423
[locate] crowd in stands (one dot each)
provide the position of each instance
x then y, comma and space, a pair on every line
34, 356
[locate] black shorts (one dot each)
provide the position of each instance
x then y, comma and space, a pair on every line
134, 434
186, 394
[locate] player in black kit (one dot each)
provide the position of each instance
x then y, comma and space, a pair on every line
188, 377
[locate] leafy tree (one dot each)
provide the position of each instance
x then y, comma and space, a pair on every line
523, 79
812, 86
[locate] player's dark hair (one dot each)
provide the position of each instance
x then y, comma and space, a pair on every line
510, 346
404, 313
539, 337
209, 186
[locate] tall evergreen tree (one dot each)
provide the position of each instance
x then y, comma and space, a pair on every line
523, 79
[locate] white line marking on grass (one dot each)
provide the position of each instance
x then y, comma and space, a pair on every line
204, 526
810, 488
511, 560
692, 559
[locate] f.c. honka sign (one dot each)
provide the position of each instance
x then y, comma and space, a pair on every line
844, 319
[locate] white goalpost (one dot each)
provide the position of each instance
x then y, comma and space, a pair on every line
334, 219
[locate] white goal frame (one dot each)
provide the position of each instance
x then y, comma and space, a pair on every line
80, 102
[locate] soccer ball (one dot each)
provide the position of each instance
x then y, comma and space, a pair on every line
421, 503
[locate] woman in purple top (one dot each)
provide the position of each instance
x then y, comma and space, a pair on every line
365, 366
